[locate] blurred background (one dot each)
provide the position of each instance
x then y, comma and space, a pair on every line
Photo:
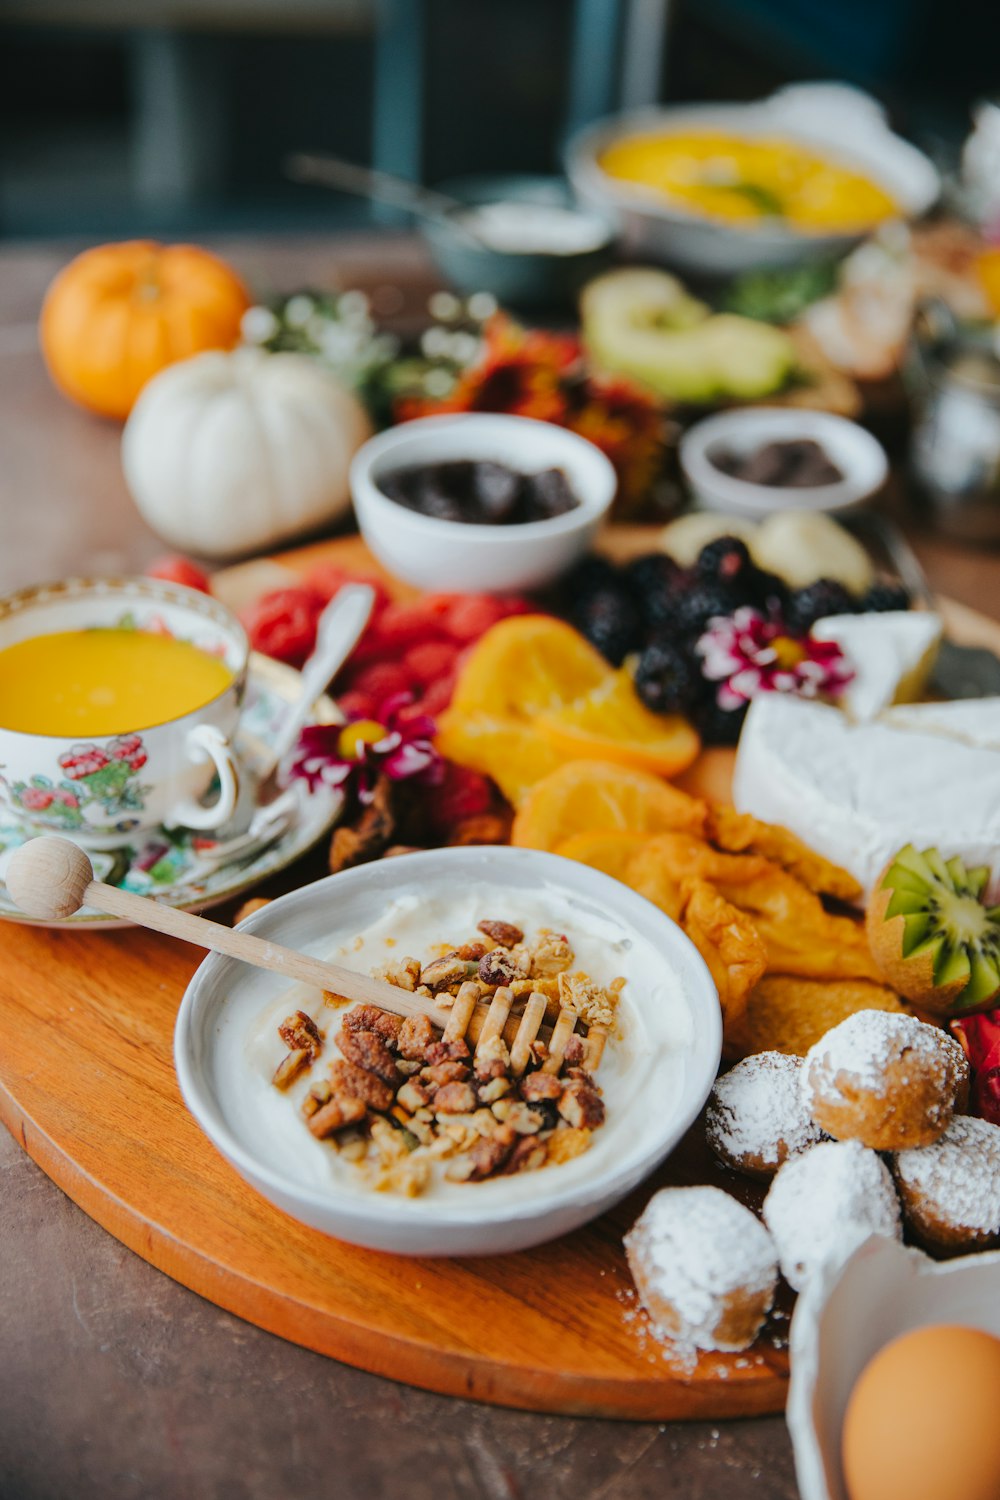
174, 116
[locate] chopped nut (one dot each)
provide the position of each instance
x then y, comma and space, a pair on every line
484, 1121
318, 1094
442, 1051
523, 1119
498, 968
290, 1067
413, 1095
505, 934
472, 952
300, 1033
502, 1108
490, 1092
540, 1086
353, 1147
490, 1055
407, 1066
388, 1140
485, 1157
348, 1078
527, 1156
550, 953
408, 1177
576, 1051
367, 1050
403, 973
373, 1018
482, 828
335, 1115
591, 1002
415, 1035
371, 834
581, 1105
442, 973
454, 1099
445, 1072
563, 1145
335, 1001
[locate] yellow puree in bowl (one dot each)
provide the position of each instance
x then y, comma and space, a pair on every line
743, 181
95, 682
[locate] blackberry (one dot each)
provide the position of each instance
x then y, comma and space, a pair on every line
719, 726
885, 596
727, 561
610, 621
666, 678
771, 593
702, 603
591, 576
653, 573
815, 602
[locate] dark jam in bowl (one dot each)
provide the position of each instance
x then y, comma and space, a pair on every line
795, 464
480, 492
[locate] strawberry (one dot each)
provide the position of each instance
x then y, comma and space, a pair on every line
283, 623
429, 662
175, 569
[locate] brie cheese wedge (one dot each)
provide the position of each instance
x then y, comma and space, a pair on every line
892, 655
858, 792
975, 721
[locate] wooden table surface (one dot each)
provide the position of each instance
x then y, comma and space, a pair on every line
118, 1384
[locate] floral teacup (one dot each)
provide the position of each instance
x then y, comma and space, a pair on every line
101, 791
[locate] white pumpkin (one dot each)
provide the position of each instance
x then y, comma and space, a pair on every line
233, 453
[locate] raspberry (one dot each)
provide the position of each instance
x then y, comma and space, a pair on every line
471, 615
180, 570
428, 663
462, 793
283, 623
327, 579
402, 625
438, 696
381, 680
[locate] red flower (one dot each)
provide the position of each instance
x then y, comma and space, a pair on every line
83, 760
353, 756
747, 654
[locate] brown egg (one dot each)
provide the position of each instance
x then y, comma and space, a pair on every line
922, 1422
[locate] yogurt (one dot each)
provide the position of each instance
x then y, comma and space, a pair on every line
641, 1074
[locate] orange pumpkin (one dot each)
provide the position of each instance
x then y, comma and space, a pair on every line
118, 314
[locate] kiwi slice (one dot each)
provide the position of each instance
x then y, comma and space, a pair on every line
932, 936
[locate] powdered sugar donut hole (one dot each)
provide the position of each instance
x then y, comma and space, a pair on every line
756, 1118
824, 1203
704, 1267
950, 1191
888, 1081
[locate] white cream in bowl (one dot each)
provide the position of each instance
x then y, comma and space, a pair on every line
654, 1076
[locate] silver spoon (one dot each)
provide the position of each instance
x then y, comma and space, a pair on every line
382, 187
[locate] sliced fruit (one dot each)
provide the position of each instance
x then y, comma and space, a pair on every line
525, 666
589, 796
505, 749
624, 856
610, 723
931, 935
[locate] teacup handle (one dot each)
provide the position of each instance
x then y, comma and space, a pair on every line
205, 742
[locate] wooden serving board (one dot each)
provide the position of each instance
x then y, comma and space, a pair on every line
88, 1087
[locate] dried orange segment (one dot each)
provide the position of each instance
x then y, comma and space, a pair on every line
611, 723
525, 666
624, 856
602, 797
505, 749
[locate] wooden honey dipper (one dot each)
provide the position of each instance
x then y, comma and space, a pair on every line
50, 878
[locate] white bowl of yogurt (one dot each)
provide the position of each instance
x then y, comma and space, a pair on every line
655, 1074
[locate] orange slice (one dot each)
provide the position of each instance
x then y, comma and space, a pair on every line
602, 797
611, 723
506, 749
526, 666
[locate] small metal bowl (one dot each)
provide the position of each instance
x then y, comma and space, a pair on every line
526, 279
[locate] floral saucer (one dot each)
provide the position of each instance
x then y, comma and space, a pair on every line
186, 869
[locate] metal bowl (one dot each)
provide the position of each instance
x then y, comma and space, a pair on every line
833, 120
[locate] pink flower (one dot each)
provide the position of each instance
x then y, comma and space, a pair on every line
36, 798
83, 760
355, 755
749, 654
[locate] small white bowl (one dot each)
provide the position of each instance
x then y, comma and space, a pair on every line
859, 457
846, 1315
454, 556
655, 1078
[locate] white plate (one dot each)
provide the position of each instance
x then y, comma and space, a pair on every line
190, 870
656, 1077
